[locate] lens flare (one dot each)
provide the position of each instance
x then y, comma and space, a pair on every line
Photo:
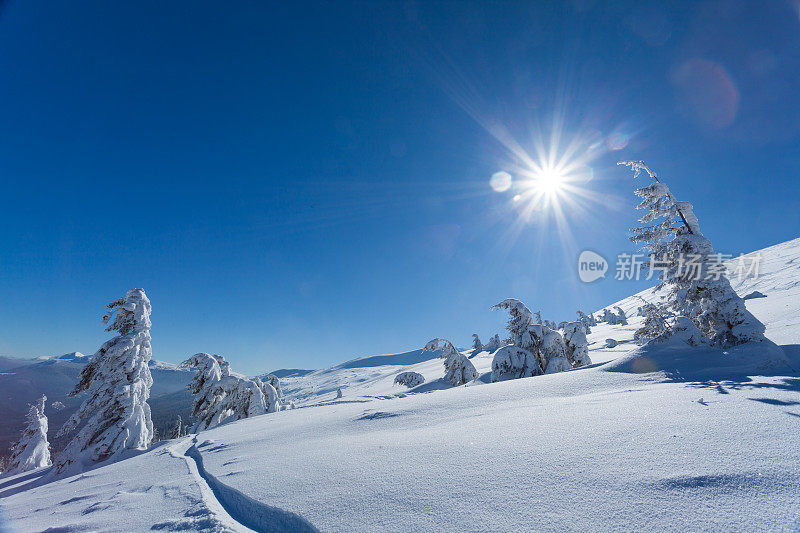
617, 141
500, 181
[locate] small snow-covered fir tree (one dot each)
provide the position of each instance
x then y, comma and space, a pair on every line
609, 317
655, 322
694, 285
682, 328
494, 344
272, 400
622, 319
177, 429
519, 322
409, 379
477, 345
587, 320
273, 380
338, 393
554, 351
538, 344
32, 449
512, 362
577, 345
220, 394
458, 369
115, 415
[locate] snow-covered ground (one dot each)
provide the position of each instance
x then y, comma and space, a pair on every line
644, 439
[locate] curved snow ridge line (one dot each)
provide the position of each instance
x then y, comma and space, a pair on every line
216, 512
247, 511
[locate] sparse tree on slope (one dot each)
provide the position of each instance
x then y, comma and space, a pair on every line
32, 450
694, 284
493, 344
177, 430
409, 379
587, 320
512, 362
609, 317
115, 415
554, 351
220, 394
458, 369
622, 319
273, 380
577, 345
477, 345
655, 322
519, 322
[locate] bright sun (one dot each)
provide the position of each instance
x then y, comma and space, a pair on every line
549, 181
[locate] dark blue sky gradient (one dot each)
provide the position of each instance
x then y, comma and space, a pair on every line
295, 184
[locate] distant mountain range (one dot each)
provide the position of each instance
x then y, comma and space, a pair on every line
24, 380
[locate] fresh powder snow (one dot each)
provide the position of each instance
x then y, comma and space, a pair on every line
687, 425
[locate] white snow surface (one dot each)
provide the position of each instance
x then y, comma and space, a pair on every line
663, 437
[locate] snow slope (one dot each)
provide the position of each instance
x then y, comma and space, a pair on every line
657, 438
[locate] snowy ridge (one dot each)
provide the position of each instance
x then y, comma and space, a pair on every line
244, 510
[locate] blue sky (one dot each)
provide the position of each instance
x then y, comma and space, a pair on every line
298, 184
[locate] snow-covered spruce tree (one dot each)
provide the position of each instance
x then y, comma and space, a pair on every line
338, 393
577, 345
493, 344
691, 279
655, 322
609, 317
587, 320
458, 369
512, 362
682, 328
409, 379
519, 322
221, 394
622, 319
554, 351
177, 429
32, 449
115, 415
477, 345
273, 380
533, 346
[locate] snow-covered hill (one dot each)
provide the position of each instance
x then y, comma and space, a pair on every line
646, 438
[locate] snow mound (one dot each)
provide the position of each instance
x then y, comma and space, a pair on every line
675, 359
